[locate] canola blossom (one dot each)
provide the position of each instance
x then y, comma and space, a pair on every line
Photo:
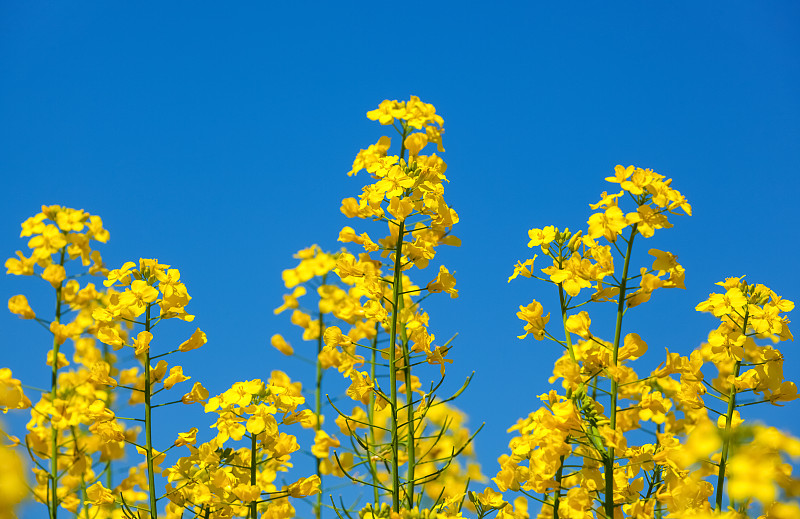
606, 440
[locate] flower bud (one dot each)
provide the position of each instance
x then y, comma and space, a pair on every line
575, 241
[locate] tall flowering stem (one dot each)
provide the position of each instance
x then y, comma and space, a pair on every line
576, 426
726, 436
148, 421
408, 195
747, 312
673, 473
53, 501
58, 235
337, 303
396, 295
609, 461
152, 290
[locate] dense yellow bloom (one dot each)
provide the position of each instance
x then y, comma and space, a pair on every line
361, 387
757, 469
13, 487
577, 504
414, 111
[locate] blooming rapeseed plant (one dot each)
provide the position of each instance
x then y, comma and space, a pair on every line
574, 455
604, 441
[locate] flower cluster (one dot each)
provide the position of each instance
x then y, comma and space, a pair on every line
225, 482
575, 451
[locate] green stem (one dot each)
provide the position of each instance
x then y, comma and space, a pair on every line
396, 295
253, 466
318, 406
108, 402
726, 444
609, 462
84, 495
53, 476
148, 426
410, 440
570, 349
393, 367
373, 470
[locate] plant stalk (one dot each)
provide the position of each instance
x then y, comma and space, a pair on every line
609, 462
148, 425
53, 476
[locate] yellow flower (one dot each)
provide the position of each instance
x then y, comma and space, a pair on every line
334, 337
305, 487
110, 336
197, 394
55, 274
11, 395
142, 342
524, 269
323, 443
20, 266
175, 376
536, 322
579, 325
290, 300
361, 386
373, 152
280, 344
577, 504
19, 305
100, 374
489, 499
13, 487
62, 359
607, 224
138, 295
197, 339
444, 282
187, 438
247, 493
415, 142
633, 347
541, 237
99, 495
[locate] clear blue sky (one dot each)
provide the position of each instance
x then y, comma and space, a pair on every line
216, 138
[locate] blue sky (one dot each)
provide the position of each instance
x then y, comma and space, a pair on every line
216, 138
